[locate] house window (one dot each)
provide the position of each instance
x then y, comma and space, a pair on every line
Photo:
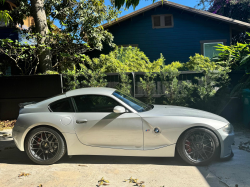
162, 21
209, 47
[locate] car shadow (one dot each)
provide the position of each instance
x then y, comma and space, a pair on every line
11, 155
94, 159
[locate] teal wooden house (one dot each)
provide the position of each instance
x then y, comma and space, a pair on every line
174, 30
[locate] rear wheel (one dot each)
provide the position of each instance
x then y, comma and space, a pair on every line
44, 145
198, 146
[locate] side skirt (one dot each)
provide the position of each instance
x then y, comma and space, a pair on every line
75, 147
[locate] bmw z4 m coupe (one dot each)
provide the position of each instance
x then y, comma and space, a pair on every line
105, 121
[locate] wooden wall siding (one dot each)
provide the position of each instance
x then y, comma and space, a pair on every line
177, 43
8, 33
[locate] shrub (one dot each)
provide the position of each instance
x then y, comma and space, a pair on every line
71, 79
148, 85
93, 76
214, 75
129, 59
174, 91
88, 71
237, 56
125, 85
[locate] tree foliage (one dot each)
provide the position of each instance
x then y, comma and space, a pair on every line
148, 85
129, 59
24, 56
125, 83
238, 56
238, 10
81, 19
233, 9
4, 14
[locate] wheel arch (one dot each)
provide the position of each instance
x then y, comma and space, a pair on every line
48, 126
199, 126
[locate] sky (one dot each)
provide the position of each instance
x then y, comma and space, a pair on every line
143, 3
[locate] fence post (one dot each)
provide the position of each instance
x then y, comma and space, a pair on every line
133, 82
61, 82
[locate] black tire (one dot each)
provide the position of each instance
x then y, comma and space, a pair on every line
44, 146
198, 146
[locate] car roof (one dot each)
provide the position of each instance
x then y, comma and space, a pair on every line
81, 91
91, 90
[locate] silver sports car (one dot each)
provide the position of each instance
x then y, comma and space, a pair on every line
105, 121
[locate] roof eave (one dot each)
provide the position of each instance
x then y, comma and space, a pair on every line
186, 8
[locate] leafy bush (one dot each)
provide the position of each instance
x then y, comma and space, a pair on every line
125, 85
71, 79
148, 85
200, 63
175, 92
120, 60
214, 75
129, 59
24, 56
92, 76
237, 56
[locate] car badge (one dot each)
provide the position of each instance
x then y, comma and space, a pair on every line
156, 130
147, 130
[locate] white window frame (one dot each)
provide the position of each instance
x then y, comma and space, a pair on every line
162, 21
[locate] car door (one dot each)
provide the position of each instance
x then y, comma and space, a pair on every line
96, 124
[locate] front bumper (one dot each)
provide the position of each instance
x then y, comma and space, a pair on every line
226, 141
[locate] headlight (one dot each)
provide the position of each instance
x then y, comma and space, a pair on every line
228, 128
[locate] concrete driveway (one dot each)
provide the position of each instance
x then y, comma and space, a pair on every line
155, 172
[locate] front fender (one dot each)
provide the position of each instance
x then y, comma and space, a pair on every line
171, 128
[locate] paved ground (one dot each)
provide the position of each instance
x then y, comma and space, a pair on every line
155, 172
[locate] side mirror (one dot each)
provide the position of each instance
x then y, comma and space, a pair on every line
119, 110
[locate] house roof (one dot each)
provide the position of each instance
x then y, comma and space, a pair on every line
182, 7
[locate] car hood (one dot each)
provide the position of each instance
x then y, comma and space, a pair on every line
169, 110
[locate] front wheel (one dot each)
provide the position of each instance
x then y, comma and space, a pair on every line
44, 146
198, 146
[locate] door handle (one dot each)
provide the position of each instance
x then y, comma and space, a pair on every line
81, 121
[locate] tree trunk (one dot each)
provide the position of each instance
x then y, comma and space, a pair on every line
39, 16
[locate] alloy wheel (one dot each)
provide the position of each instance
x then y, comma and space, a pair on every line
44, 145
199, 146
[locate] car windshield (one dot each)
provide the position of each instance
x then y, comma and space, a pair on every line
132, 102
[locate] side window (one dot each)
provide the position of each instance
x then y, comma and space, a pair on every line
95, 103
63, 105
